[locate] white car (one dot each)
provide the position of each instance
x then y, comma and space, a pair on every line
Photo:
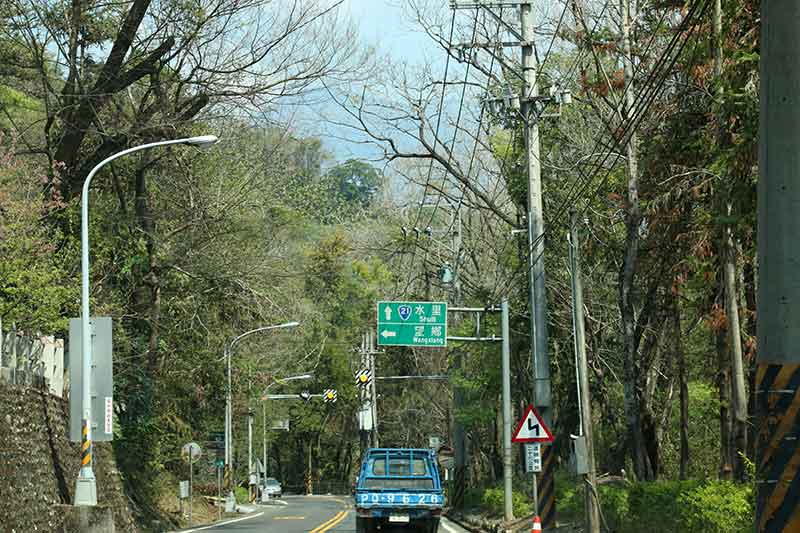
272, 488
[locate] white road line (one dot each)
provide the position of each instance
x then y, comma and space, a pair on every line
223, 523
273, 502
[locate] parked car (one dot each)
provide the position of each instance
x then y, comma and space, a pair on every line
272, 488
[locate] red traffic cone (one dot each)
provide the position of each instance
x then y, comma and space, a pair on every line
537, 524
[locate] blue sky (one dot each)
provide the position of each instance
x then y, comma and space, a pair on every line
386, 26
383, 25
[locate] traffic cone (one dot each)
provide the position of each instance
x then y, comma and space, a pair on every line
537, 524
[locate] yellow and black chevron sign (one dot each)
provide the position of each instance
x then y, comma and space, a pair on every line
777, 391
86, 445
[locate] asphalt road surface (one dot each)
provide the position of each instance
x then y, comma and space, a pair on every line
305, 514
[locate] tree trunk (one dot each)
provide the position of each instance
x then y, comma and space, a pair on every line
723, 386
728, 260
631, 369
148, 294
680, 361
738, 392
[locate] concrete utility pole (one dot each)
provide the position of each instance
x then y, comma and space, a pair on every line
368, 393
250, 468
778, 374
508, 472
538, 293
372, 390
584, 399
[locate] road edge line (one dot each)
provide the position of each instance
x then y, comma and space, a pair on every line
218, 524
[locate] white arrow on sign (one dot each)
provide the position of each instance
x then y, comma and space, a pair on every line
388, 312
532, 428
386, 333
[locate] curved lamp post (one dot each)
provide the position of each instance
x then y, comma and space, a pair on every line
280, 381
86, 485
229, 398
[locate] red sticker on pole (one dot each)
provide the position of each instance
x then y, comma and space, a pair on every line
532, 428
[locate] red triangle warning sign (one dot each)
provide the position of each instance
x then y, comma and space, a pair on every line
532, 428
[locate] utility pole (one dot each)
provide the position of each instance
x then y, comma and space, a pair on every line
368, 394
584, 399
250, 452
508, 471
537, 290
372, 392
778, 373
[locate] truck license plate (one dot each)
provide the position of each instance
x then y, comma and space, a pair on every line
397, 518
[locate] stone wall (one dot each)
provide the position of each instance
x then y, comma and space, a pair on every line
39, 465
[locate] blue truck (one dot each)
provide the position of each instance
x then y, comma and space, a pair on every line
398, 487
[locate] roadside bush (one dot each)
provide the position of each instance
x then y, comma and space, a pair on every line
241, 494
614, 505
717, 507
492, 502
655, 506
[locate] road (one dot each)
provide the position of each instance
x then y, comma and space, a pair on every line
305, 514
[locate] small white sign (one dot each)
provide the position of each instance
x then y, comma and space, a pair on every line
109, 415
533, 458
183, 488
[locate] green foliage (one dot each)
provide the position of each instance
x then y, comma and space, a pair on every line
657, 504
493, 504
703, 436
614, 501
38, 290
717, 507
355, 181
665, 506
242, 496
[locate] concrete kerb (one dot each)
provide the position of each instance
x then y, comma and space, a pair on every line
83, 519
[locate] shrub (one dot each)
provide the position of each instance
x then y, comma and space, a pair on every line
614, 505
241, 494
717, 507
655, 504
493, 504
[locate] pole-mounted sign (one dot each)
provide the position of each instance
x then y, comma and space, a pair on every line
363, 377
329, 396
533, 458
412, 324
532, 428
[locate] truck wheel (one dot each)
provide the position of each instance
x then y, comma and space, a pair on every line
365, 525
429, 525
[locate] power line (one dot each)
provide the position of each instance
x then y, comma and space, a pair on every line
644, 103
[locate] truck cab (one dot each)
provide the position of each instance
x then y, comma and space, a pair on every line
398, 487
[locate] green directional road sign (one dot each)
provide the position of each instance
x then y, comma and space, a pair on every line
412, 324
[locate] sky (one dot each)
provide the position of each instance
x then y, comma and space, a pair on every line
385, 26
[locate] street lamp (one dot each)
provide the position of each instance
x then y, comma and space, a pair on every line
264, 411
229, 397
86, 485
